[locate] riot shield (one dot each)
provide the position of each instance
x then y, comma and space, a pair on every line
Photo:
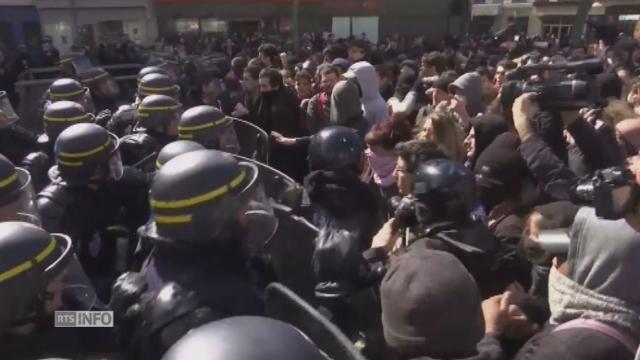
291, 250
283, 304
253, 141
277, 185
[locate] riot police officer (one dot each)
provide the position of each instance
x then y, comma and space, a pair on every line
210, 215
16, 193
67, 89
442, 198
151, 70
30, 293
93, 198
244, 338
176, 149
104, 89
156, 83
348, 212
209, 127
157, 125
57, 117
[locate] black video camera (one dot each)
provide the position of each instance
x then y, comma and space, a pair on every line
612, 192
558, 93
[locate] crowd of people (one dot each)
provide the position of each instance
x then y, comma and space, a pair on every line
464, 200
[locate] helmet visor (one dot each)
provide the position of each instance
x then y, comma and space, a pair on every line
228, 140
257, 217
116, 169
22, 207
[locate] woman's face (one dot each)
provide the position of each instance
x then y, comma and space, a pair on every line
470, 143
403, 177
427, 130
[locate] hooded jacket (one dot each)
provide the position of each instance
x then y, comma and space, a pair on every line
373, 105
600, 285
486, 128
346, 107
469, 85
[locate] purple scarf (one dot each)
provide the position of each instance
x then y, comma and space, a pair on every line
382, 167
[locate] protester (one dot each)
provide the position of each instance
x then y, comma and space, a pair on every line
375, 109
443, 129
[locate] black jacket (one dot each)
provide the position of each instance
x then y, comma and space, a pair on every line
279, 111
573, 344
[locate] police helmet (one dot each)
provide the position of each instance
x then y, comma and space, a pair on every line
155, 83
29, 259
16, 193
67, 89
60, 115
176, 149
83, 149
446, 187
207, 126
151, 70
93, 75
157, 111
336, 148
244, 338
196, 196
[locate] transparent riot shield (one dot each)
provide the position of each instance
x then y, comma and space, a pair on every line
253, 141
283, 304
277, 185
291, 250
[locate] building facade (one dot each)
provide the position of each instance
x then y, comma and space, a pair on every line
19, 24
543, 17
89, 22
375, 18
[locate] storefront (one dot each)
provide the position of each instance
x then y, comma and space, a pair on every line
96, 21
19, 25
375, 18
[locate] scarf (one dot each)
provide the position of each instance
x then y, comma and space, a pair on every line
382, 167
569, 300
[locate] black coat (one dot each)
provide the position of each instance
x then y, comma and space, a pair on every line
279, 111
573, 344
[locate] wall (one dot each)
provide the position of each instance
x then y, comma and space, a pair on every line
16, 17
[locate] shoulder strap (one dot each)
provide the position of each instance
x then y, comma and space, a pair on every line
626, 340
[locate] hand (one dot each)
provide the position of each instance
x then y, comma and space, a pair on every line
282, 140
590, 115
459, 106
634, 95
443, 106
386, 237
496, 313
524, 108
239, 111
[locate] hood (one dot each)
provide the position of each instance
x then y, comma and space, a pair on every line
345, 103
367, 78
470, 86
487, 128
431, 306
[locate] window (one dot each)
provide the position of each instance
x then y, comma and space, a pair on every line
213, 26
186, 25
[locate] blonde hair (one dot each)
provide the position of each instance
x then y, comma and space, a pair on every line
447, 134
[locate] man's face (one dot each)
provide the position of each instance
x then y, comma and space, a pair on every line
211, 89
427, 69
403, 177
327, 82
265, 59
501, 75
265, 85
355, 54
303, 88
248, 83
470, 143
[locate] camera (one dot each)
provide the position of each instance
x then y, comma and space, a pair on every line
559, 92
612, 192
404, 210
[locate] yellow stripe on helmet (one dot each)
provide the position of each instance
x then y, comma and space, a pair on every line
178, 204
19, 269
9, 180
172, 220
203, 126
157, 108
97, 77
146, 88
70, 163
66, 95
89, 152
70, 119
